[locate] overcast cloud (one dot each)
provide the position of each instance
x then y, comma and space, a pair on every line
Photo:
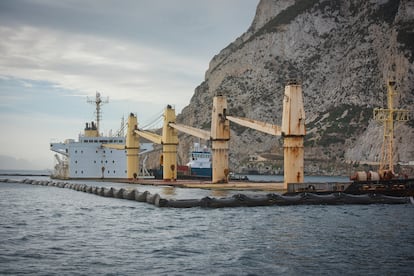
143, 54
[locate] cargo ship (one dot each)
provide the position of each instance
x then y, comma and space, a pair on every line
87, 157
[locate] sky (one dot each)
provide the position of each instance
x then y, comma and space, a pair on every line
141, 54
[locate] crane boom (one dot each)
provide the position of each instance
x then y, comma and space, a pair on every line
257, 125
203, 134
155, 138
114, 146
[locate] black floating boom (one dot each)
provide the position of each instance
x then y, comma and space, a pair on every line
238, 200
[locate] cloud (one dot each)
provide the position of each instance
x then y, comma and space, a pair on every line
12, 163
141, 51
28, 136
90, 63
168, 24
142, 54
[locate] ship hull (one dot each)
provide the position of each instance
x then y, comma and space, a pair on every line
392, 187
200, 172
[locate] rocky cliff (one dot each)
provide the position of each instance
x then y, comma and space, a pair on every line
342, 52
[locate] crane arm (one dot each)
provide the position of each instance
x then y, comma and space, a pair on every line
203, 134
114, 146
58, 159
257, 125
155, 138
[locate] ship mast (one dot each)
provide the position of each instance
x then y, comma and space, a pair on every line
98, 101
387, 117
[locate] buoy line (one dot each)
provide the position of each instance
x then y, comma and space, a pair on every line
237, 200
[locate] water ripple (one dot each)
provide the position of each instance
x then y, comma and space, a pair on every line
51, 231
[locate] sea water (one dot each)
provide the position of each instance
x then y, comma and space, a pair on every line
53, 231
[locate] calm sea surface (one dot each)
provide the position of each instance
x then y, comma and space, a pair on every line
54, 231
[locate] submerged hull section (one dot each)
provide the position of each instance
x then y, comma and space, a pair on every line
391, 187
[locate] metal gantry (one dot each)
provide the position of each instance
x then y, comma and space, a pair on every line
388, 116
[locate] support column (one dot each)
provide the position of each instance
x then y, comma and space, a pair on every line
220, 136
293, 131
293, 159
132, 148
169, 145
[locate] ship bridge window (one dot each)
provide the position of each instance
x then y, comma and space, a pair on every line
95, 141
85, 141
111, 141
90, 141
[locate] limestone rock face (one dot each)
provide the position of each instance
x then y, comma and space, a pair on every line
342, 52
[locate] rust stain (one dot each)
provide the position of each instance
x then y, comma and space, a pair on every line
298, 177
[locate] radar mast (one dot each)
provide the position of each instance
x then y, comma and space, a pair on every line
98, 101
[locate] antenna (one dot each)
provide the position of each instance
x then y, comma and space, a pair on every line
121, 131
98, 101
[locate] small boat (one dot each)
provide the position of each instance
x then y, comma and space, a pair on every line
199, 164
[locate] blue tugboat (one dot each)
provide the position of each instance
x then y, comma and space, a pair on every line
200, 161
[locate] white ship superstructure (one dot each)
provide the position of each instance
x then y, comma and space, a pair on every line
88, 158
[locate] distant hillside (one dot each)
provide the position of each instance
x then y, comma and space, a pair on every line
342, 52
